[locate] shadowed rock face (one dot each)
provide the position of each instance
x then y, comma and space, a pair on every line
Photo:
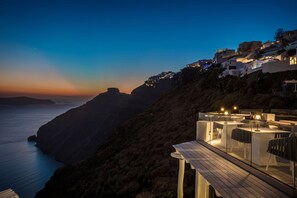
77, 134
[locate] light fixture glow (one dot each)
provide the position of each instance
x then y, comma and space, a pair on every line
257, 117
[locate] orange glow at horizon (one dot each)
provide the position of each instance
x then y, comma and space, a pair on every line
35, 82
48, 82
29, 72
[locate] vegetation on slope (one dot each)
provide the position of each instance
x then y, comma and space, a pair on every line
136, 161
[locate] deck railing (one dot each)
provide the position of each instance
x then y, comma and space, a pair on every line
264, 144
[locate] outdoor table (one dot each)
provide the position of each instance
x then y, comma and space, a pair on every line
259, 145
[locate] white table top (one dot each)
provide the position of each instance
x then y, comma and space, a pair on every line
228, 116
228, 123
233, 114
289, 121
280, 123
264, 130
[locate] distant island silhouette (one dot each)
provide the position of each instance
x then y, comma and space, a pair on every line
23, 100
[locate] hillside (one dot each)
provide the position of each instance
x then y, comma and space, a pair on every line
77, 134
17, 101
136, 160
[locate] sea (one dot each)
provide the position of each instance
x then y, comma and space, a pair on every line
23, 167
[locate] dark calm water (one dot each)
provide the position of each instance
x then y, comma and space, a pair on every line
22, 166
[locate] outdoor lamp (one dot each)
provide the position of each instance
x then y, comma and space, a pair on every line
226, 113
257, 117
235, 109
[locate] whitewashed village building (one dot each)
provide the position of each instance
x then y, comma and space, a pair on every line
203, 64
288, 63
232, 67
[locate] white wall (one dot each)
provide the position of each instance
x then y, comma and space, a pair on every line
277, 66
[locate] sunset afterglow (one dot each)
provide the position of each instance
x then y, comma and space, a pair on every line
70, 48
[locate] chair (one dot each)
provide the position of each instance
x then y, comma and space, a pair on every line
281, 135
284, 147
242, 136
217, 133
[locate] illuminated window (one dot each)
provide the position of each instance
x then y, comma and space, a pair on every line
293, 60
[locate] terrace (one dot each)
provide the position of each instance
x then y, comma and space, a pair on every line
241, 154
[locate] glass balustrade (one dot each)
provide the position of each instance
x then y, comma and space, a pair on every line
268, 147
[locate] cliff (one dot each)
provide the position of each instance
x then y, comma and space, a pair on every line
136, 161
77, 134
16, 101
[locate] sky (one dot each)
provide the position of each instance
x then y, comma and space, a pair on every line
80, 48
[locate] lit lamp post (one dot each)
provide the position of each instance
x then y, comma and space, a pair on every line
226, 113
222, 109
257, 118
235, 109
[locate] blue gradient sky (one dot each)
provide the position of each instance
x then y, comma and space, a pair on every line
82, 47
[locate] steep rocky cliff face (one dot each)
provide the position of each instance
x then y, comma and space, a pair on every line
70, 137
77, 134
136, 161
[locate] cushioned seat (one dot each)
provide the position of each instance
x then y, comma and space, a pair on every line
283, 147
241, 135
244, 137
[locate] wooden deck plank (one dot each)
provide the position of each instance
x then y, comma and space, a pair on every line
239, 173
254, 181
255, 184
227, 178
211, 174
230, 181
235, 167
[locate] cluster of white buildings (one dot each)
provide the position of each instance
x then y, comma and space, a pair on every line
271, 57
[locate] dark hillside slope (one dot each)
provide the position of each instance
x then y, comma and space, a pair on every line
70, 136
136, 161
77, 134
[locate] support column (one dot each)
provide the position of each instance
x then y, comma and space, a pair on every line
201, 187
181, 173
196, 184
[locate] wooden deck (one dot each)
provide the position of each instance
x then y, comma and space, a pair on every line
227, 178
9, 193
